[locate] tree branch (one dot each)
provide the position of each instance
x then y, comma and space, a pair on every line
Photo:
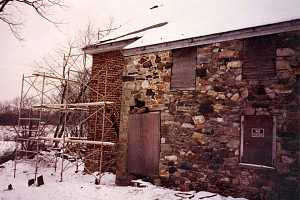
3, 4
39, 6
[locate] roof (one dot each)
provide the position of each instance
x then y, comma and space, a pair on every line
136, 27
130, 31
179, 20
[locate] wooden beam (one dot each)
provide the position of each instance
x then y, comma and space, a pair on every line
254, 165
74, 141
37, 107
72, 106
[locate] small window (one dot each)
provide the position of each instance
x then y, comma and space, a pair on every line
183, 69
258, 141
259, 58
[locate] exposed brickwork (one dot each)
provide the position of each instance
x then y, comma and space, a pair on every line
200, 129
113, 63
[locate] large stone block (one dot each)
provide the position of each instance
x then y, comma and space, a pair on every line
171, 158
285, 52
226, 53
283, 65
199, 120
235, 97
165, 148
199, 138
233, 144
234, 64
203, 59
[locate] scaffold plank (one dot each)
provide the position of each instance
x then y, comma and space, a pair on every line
73, 105
74, 141
29, 119
37, 107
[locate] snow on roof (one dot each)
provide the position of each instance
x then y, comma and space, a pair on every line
177, 20
135, 28
201, 18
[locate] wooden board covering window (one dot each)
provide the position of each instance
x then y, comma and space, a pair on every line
257, 140
183, 69
259, 58
144, 143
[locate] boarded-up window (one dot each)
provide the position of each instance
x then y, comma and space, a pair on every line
183, 69
144, 143
258, 140
259, 58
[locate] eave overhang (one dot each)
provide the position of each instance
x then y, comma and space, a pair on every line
107, 47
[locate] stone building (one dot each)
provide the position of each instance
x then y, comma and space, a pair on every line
215, 111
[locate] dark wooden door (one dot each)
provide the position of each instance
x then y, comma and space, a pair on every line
258, 140
135, 149
144, 143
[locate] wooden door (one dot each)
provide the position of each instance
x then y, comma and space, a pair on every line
144, 143
135, 149
257, 140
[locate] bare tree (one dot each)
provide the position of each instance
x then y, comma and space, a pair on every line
10, 12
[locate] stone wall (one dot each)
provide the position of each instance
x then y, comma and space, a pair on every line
112, 63
200, 129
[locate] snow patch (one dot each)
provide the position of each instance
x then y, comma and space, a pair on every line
7, 133
75, 186
78, 186
7, 148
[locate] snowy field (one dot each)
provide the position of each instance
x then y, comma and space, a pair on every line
7, 133
77, 186
7, 144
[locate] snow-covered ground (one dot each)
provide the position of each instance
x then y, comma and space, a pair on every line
7, 137
7, 144
7, 148
76, 186
7, 133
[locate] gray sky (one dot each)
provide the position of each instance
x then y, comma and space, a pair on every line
42, 38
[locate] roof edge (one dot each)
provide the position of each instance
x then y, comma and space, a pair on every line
287, 26
113, 46
134, 32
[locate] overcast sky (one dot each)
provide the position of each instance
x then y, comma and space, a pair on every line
42, 38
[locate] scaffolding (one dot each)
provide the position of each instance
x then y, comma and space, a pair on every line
38, 93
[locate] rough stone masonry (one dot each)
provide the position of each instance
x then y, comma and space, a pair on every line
200, 128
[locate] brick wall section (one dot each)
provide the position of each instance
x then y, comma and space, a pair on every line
200, 148
114, 63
